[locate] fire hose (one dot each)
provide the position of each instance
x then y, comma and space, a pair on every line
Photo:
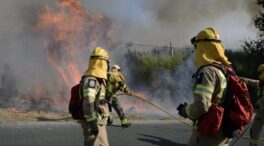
157, 107
179, 119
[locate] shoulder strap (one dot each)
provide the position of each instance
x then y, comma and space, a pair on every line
98, 93
227, 70
198, 70
80, 87
221, 67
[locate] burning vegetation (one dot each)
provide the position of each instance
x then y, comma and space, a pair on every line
69, 32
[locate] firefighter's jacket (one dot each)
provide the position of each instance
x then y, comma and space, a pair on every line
259, 85
94, 103
210, 87
115, 82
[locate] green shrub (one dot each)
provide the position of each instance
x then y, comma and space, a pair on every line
143, 64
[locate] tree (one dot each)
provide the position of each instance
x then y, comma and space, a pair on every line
259, 20
255, 48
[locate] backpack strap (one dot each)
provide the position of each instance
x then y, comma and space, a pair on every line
80, 88
227, 70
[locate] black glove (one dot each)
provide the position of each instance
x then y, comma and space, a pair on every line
94, 129
182, 110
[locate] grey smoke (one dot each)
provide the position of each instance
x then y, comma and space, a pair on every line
20, 46
168, 88
160, 21
142, 21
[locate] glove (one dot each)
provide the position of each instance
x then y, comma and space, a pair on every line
94, 130
129, 93
182, 110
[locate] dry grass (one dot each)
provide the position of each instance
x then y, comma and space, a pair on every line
14, 115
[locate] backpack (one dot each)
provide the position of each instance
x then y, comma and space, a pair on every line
238, 108
234, 113
75, 104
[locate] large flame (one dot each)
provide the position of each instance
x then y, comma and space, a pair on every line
70, 30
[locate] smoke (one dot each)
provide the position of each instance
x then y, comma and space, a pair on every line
159, 22
167, 89
151, 22
21, 48
47, 49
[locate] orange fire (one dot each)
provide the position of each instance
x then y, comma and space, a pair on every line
70, 31
14, 110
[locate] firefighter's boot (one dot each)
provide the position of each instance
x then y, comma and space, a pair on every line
125, 123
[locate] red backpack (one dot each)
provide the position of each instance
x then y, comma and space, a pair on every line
75, 105
234, 113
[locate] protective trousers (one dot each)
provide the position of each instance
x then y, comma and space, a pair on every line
118, 108
100, 140
256, 127
201, 140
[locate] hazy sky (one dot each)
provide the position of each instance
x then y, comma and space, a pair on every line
160, 21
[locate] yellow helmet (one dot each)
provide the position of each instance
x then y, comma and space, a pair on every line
209, 48
261, 72
98, 63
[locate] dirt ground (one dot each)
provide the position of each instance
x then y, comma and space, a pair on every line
14, 115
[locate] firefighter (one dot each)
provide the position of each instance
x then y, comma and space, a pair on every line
116, 82
95, 109
210, 84
258, 105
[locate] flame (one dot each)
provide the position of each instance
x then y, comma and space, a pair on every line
14, 110
70, 30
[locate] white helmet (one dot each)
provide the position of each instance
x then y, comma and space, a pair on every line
116, 67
